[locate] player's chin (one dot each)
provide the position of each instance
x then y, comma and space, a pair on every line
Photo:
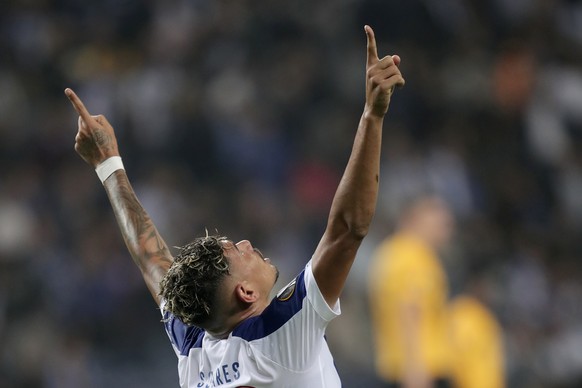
276, 274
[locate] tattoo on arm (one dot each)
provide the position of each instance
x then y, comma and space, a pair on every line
148, 250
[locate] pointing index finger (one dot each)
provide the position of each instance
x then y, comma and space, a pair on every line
372, 49
78, 105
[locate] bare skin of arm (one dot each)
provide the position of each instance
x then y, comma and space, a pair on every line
95, 142
354, 202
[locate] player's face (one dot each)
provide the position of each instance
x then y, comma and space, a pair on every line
443, 223
248, 264
437, 221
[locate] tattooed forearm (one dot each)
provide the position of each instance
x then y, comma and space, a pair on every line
147, 248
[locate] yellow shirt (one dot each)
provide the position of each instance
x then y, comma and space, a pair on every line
405, 273
477, 343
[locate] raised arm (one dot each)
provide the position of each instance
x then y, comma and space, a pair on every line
95, 142
354, 202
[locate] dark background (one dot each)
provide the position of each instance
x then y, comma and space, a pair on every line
238, 116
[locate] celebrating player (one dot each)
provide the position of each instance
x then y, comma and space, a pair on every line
214, 294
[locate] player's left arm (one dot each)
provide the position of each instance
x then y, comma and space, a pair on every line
96, 142
354, 202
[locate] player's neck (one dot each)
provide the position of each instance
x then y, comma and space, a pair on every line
226, 325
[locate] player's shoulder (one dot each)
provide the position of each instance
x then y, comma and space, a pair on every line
182, 336
283, 307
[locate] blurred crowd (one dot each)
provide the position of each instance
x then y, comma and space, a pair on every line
238, 117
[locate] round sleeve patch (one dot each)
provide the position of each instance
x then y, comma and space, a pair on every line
287, 291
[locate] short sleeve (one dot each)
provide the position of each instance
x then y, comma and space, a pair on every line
316, 298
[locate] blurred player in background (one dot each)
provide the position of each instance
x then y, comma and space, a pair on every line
476, 338
408, 293
215, 294
422, 339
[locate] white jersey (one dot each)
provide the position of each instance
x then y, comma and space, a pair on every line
284, 347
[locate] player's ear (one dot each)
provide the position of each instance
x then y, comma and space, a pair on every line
245, 293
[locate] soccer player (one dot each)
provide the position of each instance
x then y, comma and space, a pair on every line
408, 295
214, 295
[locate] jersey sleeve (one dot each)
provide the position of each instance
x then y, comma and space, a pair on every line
290, 332
326, 312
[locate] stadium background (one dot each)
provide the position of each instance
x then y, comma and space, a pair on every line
238, 116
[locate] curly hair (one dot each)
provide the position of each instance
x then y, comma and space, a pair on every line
189, 287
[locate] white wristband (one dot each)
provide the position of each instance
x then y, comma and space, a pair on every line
108, 167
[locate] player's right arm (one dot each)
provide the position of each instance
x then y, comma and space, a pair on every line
96, 142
